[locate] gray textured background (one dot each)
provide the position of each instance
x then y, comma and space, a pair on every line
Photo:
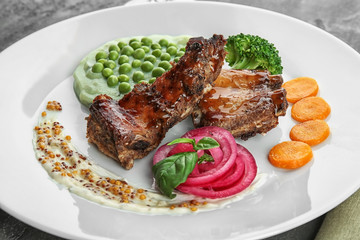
19, 18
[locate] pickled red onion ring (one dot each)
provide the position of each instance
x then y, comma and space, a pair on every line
227, 146
234, 168
243, 181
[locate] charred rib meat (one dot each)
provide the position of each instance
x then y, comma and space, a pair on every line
130, 128
245, 102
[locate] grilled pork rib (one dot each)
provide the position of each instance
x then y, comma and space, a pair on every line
130, 128
245, 102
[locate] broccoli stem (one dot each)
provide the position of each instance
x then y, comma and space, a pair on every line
246, 63
241, 65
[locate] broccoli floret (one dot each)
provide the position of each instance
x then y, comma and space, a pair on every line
252, 52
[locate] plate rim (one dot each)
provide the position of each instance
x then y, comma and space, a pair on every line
304, 218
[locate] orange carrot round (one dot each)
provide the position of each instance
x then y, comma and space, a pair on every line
311, 132
290, 154
310, 108
299, 88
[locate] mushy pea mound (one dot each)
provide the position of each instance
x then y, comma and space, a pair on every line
114, 68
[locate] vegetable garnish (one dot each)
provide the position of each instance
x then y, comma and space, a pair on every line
311, 132
203, 144
247, 51
290, 154
219, 172
299, 88
310, 111
174, 170
310, 108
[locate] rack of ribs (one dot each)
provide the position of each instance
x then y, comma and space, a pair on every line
130, 128
245, 102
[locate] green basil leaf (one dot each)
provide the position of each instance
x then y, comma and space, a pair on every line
205, 158
206, 143
174, 170
182, 140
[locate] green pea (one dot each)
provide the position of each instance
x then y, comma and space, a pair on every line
136, 63
127, 50
146, 41
147, 66
163, 42
112, 81
165, 57
176, 59
125, 68
139, 53
106, 72
97, 67
173, 45
123, 59
180, 53
138, 76
155, 46
121, 44
150, 58
156, 52
102, 60
165, 65
143, 81
133, 40
110, 64
124, 87
114, 48
171, 50
135, 45
113, 55
157, 72
182, 49
123, 78
146, 49
101, 55
152, 79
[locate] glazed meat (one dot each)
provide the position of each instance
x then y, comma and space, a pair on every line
130, 128
245, 102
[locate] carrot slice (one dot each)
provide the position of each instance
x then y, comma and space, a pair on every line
311, 132
299, 88
290, 154
310, 108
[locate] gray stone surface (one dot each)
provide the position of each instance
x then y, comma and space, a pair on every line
19, 18
341, 18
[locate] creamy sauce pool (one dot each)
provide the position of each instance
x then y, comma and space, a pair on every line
68, 167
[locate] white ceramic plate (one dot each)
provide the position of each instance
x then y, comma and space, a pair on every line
39, 68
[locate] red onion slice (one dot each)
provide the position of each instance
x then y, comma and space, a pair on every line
234, 168
242, 183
